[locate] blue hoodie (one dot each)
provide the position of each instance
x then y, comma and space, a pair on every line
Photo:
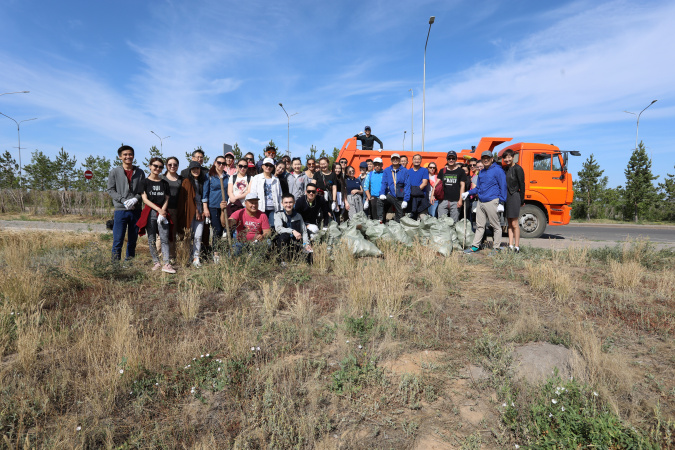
402, 188
490, 184
373, 183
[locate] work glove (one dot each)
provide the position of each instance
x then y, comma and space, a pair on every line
500, 208
404, 205
383, 197
129, 204
162, 220
312, 228
360, 133
333, 206
465, 195
366, 205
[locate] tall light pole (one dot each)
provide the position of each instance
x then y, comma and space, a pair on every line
404, 132
412, 121
424, 79
18, 133
638, 121
161, 143
288, 142
20, 92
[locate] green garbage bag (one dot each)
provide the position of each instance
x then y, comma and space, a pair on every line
399, 233
459, 230
379, 231
359, 218
445, 249
426, 222
333, 234
360, 247
446, 220
353, 231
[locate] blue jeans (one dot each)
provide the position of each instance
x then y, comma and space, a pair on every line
432, 209
270, 217
216, 226
124, 220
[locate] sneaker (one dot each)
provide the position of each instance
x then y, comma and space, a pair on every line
516, 249
471, 249
157, 266
216, 259
168, 268
196, 263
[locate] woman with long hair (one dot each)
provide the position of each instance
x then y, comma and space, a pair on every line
172, 177
433, 179
515, 197
311, 168
281, 174
238, 187
155, 218
354, 191
340, 197
215, 188
191, 208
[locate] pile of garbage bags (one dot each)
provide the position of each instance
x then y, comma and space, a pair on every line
362, 235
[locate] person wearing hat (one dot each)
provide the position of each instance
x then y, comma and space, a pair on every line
230, 168
367, 139
250, 223
190, 208
372, 187
395, 190
271, 153
455, 182
491, 191
268, 190
198, 156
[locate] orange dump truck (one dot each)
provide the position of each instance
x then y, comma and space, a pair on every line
548, 191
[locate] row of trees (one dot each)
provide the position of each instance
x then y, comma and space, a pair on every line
62, 173
638, 199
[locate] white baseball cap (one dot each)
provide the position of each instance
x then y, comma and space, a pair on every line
251, 196
377, 160
268, 161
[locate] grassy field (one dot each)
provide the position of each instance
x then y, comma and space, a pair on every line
407, 351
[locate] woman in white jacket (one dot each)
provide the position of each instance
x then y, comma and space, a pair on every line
268, 188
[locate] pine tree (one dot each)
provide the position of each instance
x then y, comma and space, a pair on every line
39, 174
100, 167
589, 185
9, 171
668, 193
154, 152
188, 156
311, 154
65, 175
639, 192
238, 154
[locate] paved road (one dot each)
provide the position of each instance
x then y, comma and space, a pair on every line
51, 226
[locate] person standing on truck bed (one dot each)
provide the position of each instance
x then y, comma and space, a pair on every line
491, 190
367, 139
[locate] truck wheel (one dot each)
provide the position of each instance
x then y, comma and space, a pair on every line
532, 222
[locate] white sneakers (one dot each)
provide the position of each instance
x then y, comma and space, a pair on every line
196, 263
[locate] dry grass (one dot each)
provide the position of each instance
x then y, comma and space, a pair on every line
79, 321
626, 275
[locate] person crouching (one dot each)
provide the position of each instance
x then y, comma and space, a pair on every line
292, 236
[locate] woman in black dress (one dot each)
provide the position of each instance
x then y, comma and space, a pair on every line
515, 197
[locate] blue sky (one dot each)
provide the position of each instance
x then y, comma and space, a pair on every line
208, 72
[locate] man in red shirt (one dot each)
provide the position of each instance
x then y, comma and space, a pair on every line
250, 223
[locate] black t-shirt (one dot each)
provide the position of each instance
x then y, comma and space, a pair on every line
325, 182
451, 183
155, 190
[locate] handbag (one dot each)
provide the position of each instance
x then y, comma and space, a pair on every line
439, 193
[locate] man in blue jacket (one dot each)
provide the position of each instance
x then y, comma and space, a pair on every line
371, 187
395, 190
491, 190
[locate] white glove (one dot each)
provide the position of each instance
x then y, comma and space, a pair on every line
162, 220
360, 133
383, 197
129, 204
465, 195
500, 208
404, 205
333, 206
312, 228
366, 205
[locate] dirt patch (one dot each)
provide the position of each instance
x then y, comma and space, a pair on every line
536, 361
412, 363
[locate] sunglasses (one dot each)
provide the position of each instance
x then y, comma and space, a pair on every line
268, 165
156, 166
241, 166
472, 165
313, 191
311, 164
432, 167
221, 163
250, 159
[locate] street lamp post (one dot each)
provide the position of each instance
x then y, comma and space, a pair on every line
404, 132
161, 143
412, 121
18, 133
288, 142
20, 92
638, 121
424, 79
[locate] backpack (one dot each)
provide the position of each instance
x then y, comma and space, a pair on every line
439, 192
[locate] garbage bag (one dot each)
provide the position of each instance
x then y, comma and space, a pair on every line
379, 231
445, 249
361, 247
359, 218
447, 220
426, 222
459, 230
353, 231
399, 233
333, 234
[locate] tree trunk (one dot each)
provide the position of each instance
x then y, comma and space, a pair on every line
636, 213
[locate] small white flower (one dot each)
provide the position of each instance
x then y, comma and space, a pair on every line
12, 315
517, 446
188, 366
391, 316
554, 401
131, 393
257, 348
252, 349
550, 415
512, 404
121, 370
201, 356
595, 393
156, 384
347, 342
218, 369
207, 355
562, 408
360, 346
194, 359
504, 405
78, 428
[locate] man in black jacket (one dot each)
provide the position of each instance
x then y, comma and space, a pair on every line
314, 209
367, 139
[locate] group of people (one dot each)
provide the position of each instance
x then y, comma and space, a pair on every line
281, 203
